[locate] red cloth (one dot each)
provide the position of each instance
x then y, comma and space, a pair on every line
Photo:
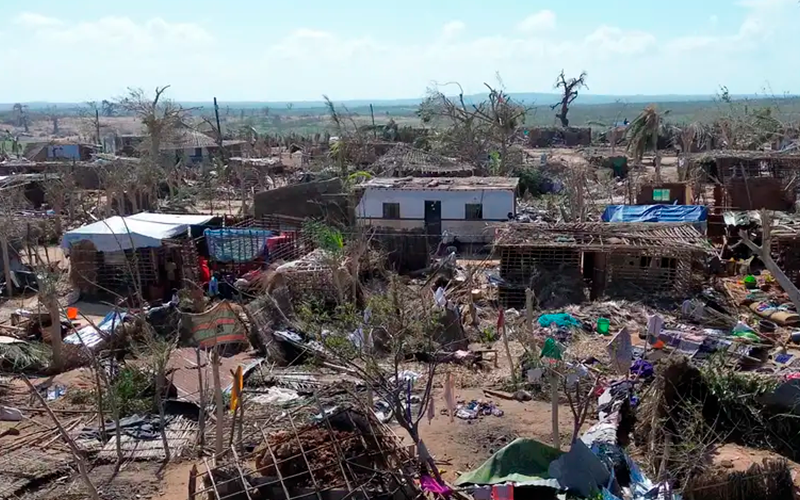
205, 272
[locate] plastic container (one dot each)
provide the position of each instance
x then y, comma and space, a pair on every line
603, 326
750, 282
72, 313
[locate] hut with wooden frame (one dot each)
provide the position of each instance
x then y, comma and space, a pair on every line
146, 252
626, 260
752, 180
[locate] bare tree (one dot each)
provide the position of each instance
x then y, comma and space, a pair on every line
160, 116
569, 92
164, 120
474, 130
108, 108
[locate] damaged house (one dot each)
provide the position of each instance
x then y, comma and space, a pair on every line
627, 260
411, 216
461, 207
747, 180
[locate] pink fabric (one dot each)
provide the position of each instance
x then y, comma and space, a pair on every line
503, 492
430, 484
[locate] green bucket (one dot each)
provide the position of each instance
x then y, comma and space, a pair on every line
603, 326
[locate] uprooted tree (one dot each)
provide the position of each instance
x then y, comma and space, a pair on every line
569, 92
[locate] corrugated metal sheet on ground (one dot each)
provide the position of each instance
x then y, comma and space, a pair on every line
181, 433
182, 367
91, 336
655, 213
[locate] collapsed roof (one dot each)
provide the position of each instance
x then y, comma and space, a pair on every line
143, 230
600, 236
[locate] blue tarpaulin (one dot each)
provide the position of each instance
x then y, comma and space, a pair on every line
236, 244
655, 213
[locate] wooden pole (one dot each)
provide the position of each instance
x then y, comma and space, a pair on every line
508, 354
764, 252
55, 330
192, 482
7, 267
74, 449
529, 309
372, 114
201, 419
245, 484
240, 427
554, 406
218, 401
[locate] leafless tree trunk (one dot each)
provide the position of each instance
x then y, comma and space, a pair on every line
56, 343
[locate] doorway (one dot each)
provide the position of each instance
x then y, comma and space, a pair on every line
433, 218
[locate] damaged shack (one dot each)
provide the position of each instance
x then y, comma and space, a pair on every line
751, 180
562, 262
147, 251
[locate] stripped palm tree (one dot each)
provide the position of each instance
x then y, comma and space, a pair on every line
642, 135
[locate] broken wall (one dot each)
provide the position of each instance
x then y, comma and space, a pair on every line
312, 200
544, 137
756, 193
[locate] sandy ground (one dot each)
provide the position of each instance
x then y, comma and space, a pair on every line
463, 445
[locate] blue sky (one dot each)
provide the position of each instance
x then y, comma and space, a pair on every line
77, 50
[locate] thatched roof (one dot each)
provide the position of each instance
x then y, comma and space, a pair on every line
604, 236
405, 160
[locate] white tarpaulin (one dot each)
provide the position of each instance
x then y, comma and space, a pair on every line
134, 231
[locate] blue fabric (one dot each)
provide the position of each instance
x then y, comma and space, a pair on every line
236, 244
655, 213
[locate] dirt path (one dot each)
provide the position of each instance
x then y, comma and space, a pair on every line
465, 444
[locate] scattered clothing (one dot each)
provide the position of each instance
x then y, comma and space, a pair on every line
642, 369
561, 320
430, 484
475, 408
503, 492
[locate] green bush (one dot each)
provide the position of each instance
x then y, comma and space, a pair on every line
531, 181
133, 391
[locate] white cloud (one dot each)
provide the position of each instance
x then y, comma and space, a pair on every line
309, 61
122, 31
34, 20
607, 39
453, 29
544, 20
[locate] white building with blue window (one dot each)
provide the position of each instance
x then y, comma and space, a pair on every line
462, 207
